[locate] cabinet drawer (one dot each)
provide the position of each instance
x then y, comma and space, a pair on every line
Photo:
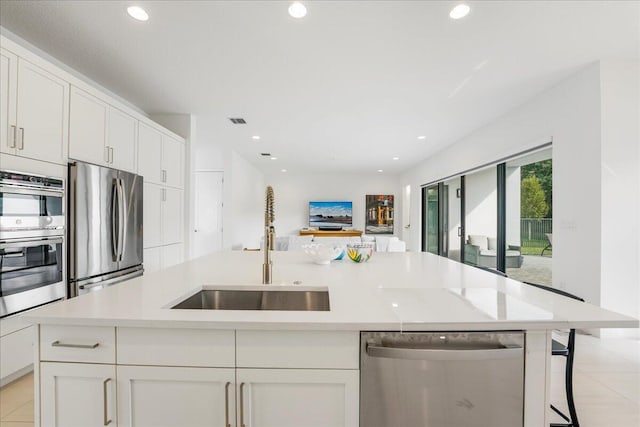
298, 349
176, 347
94, 344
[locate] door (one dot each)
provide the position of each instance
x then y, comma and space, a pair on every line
77, 395
121, 139
297, 397
43, 114
431, 220
132, 213
93, 211
208, 213
150, 396
8, 87
149, 153
88, 128
152, 213
172, 225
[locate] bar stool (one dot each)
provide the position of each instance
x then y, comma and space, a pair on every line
566, 351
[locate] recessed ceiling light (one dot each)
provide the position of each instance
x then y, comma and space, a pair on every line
255, 137
283, 170
380, 170
422, 137
460, 11
297, 10
396, 158
274, 158
136, 12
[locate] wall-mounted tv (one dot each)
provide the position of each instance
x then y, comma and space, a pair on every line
330, 214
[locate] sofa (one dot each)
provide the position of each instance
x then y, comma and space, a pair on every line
481, 251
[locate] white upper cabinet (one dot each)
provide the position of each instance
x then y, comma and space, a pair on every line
122, 135
88, 128
35, 111
160, 157
100, 133
172, 159
149, 154
8, 89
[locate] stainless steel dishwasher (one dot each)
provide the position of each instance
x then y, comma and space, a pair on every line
449, 379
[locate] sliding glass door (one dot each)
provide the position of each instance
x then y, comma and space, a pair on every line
431, 220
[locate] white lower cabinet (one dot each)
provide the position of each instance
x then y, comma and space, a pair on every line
152, 396
77, 394
297, 397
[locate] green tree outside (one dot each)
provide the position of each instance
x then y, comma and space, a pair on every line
533, 202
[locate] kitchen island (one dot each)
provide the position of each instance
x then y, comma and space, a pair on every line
127, 356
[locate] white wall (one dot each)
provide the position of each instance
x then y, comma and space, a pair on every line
294, 191
620, 233
244, 220
481, 203
569, 113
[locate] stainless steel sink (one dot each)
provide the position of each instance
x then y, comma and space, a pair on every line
290, 300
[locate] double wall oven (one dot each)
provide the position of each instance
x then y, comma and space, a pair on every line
31, 241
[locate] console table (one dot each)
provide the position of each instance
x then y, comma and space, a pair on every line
332, 233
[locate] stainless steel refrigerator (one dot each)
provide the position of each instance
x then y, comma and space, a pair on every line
105, 227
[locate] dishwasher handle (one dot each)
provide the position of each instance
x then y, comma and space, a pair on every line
439, 354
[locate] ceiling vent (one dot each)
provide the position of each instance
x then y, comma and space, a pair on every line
265, 154
238, 121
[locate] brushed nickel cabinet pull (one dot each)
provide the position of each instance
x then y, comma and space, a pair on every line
242, 405
111, 154
14, 135
226, 405
59, 344
21, 146
164, 175
164, 194
107, 421
106, 153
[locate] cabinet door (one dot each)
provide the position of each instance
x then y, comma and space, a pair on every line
77, 395
8, 87
43, 114
172, 255
149, 153
150, 396
88, 128
152, 215
297, 397
172, 161
152, 260
122, 140
172, 226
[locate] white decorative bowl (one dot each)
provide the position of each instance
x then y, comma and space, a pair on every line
321, 254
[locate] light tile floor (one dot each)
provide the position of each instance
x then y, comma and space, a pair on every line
606, 386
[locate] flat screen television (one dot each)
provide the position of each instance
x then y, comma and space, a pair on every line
330, 214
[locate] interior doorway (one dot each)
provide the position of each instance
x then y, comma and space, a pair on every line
207, 236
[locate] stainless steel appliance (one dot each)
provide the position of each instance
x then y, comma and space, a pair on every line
449, 379
105, 227
31, 241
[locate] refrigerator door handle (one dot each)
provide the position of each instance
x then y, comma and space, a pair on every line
115, 213
122, 203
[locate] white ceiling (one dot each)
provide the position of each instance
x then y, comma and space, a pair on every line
344, 89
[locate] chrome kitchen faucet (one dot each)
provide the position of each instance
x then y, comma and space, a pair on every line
269, 235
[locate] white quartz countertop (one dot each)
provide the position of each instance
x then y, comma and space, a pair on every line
393, 291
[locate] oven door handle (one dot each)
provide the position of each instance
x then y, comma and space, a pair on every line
30, 243
10, 189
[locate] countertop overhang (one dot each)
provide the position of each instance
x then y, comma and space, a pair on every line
410, 291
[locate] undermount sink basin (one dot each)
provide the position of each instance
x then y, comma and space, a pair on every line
234, 299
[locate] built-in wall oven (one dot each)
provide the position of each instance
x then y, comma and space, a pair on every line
31, 241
